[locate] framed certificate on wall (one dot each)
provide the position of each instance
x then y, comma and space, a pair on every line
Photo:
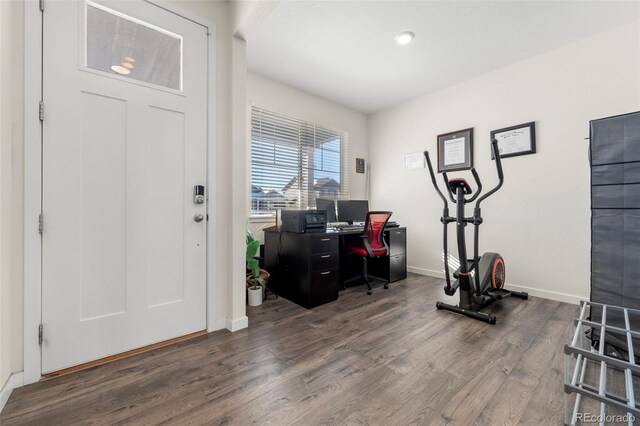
455, 151
515, 140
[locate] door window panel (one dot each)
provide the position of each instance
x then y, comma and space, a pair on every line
125, 46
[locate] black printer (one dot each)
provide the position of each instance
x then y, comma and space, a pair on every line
303, 221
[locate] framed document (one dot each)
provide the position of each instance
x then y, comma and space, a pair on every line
455, 151
516, 140
414, 160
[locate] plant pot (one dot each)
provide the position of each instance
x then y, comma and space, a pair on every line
255, 296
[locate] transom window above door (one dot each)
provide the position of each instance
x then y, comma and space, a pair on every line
125, 46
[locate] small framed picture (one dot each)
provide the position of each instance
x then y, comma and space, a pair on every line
455, 151
515, 140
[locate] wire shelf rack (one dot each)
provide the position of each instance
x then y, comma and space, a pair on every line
601, 380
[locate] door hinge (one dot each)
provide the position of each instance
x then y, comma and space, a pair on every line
40, 333
40, 224
41, 5
41, 111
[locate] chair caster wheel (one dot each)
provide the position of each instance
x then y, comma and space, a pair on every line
386, 286
492, 319
369, 292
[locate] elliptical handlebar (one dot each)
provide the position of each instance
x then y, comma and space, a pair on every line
479, 185
433, 179
496, 156
451, 195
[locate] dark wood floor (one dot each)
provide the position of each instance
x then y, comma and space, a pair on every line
389, 358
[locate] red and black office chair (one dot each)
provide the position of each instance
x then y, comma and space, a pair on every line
372, 243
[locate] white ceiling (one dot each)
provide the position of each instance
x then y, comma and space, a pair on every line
345, 50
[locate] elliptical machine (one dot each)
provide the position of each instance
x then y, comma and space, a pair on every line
488, 270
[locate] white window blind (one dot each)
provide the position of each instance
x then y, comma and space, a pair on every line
294, 161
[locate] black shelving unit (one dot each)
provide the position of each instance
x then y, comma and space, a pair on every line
615, 217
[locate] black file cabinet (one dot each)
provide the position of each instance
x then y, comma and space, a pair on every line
394, 266
303, 267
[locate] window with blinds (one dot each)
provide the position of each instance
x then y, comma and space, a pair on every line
294, 161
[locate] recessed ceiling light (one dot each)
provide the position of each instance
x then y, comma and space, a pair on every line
129, 59
120, 69
405, 37
128, 66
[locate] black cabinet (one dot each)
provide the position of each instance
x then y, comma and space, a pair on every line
303, 267
392, 267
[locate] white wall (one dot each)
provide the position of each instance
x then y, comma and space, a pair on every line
262, 91
11, 143
540, 220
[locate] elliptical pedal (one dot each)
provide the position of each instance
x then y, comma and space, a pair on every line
498, 293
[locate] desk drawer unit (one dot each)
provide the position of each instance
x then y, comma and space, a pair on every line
397, 267
324, 261
304, 267
397, 240
323, 244
324, 258
324, 286
394, 266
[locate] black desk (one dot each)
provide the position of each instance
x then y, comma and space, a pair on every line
309, 269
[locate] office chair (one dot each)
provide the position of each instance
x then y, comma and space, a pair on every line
372, 244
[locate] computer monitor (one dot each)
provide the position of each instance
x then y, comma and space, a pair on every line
352, 210
329, 206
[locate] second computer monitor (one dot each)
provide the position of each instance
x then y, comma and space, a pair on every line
329, 206
352, 210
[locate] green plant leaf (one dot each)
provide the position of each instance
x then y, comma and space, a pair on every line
252, 249
252, 263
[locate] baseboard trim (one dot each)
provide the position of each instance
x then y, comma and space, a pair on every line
424, 271
545, 294
14, 381
219, 324
18, 380
238, 323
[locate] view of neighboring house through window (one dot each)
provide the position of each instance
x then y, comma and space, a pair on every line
294, 161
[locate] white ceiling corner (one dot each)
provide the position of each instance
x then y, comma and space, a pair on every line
345, 51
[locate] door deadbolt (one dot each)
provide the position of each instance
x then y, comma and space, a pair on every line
198, 217
198, 194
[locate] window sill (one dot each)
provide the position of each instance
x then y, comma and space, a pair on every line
262, 218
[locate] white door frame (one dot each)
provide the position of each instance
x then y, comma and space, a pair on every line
33, 177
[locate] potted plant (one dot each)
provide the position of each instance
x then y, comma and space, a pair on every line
256, 278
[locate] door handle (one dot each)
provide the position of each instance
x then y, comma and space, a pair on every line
198, 217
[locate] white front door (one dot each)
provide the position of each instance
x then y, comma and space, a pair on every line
124, 143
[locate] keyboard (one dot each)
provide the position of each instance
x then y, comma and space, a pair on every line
357, 227
349, 227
